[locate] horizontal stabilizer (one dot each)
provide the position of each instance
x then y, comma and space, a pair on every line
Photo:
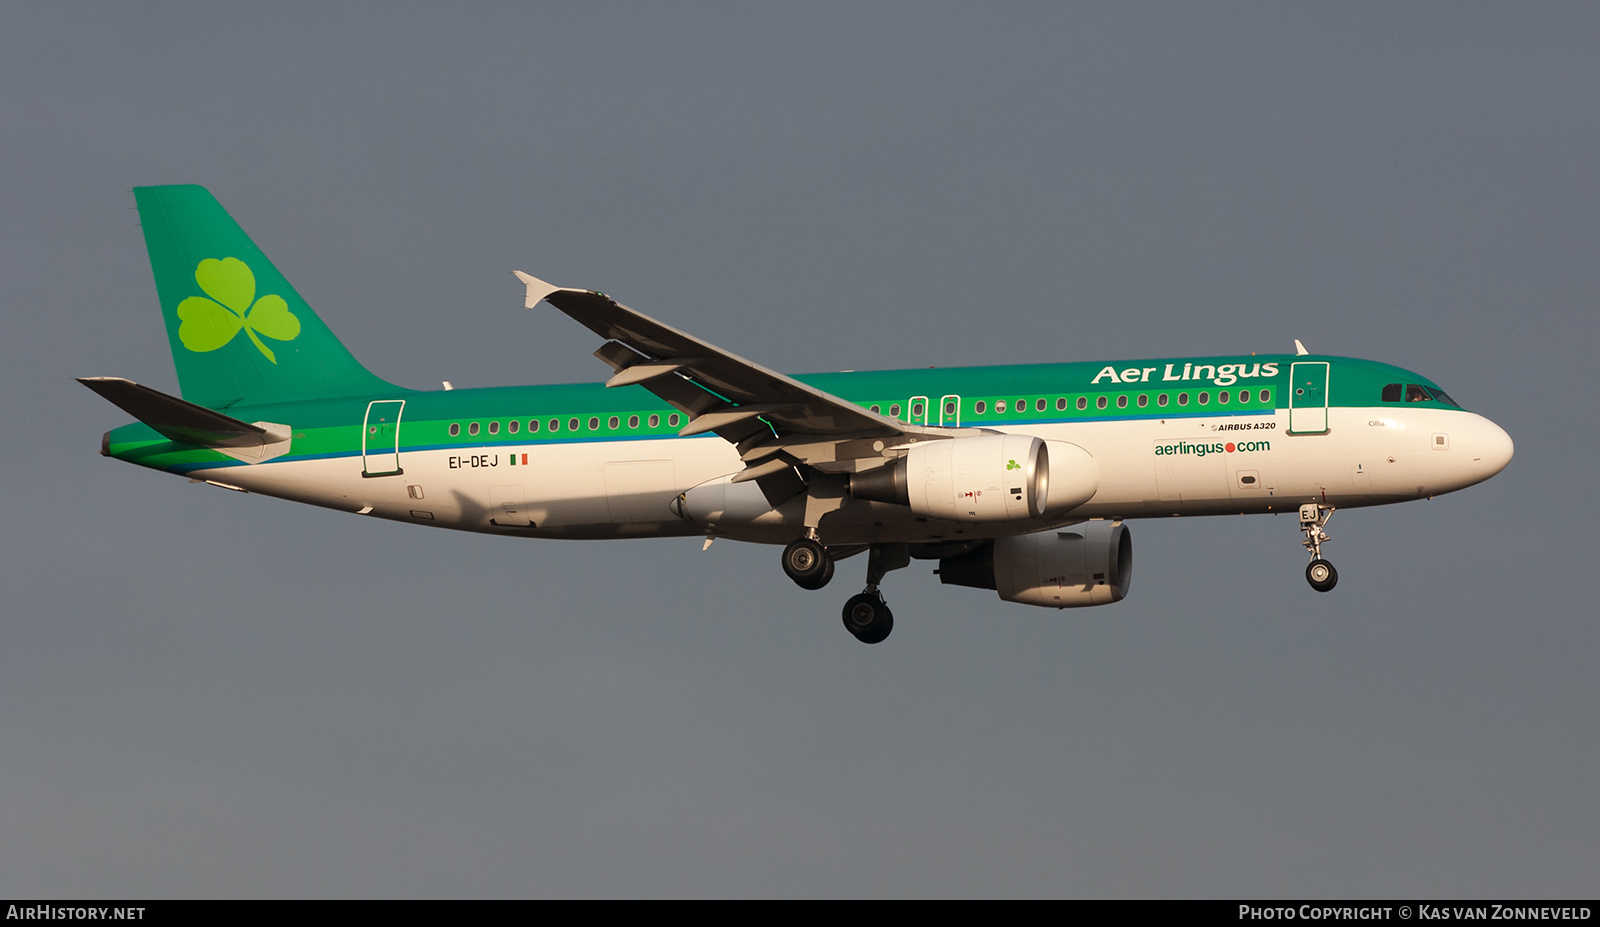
188, 423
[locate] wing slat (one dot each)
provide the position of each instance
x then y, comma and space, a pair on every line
671, 354
739, 400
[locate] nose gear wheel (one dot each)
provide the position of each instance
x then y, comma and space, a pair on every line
1321, 575
1313, 519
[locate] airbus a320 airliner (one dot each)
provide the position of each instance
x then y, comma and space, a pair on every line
1017, 479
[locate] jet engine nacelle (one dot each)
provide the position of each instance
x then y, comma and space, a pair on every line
1090, 563
986, 478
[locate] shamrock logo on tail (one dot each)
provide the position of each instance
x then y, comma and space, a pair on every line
208, 324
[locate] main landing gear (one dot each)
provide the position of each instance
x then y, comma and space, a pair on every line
866, 615
808, 563
1319, 573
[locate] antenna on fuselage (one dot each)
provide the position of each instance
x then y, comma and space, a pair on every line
1300, 349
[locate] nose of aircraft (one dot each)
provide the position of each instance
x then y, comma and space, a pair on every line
1490, 447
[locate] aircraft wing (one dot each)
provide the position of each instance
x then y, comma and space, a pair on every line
774, 419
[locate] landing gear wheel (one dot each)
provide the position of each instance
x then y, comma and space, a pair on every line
868, 618
820, 581
807, 563
1321, 575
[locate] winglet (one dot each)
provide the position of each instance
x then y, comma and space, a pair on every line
537, 289
1299, 349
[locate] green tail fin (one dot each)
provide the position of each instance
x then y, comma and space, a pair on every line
240, 334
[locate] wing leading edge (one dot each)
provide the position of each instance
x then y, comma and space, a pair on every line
774, 420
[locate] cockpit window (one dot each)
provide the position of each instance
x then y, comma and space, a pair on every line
1416, 392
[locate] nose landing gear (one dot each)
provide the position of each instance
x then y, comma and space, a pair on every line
1319, 573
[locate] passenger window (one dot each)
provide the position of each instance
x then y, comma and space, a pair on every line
1143, 400
655, 421
1244, 395
1183, 399
949, 409
1000, 405
1022, 405
633, 421
494, 428
1039, 405
455, 429
572, 424
1100, 403
594, 423
894, 410
1122, 402
1083, 403
472, 429
1161, 400
1391, 392
1061, 404
533, 425
1205, 398
1415, 393
1266, 395
555, 424
672, 420
981, 406
875, 409
1222, 396
511, 426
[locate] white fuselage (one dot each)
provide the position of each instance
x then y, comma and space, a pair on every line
1227, 464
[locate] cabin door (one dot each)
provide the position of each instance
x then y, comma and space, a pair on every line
1308, 398
380, 438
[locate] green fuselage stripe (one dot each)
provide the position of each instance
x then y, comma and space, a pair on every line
1073, 392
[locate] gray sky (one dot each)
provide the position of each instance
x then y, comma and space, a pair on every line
209, 694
